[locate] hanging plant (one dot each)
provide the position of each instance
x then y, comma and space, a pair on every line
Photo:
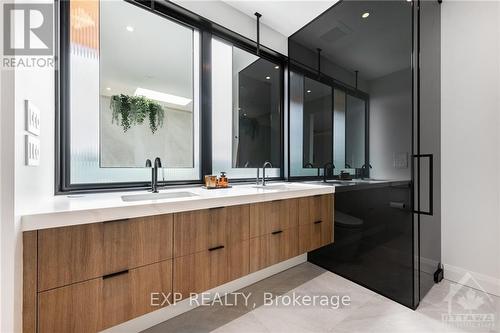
133, 110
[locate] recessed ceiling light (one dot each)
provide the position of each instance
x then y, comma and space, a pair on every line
365, 15
162, 97
268, 78
108, 88
308, 91
408, 0
276, 67
130, 28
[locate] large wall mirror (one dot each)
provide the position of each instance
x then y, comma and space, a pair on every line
246, 111
134, 88
328, 123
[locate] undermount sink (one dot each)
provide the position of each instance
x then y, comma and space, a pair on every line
157, 196
276, 187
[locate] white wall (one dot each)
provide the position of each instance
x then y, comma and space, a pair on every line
390, 118
235, 20
470, 71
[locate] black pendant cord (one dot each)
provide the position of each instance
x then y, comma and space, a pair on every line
258, 15
319, 61
356, 84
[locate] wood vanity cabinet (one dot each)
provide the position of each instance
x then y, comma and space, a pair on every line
315, 222
210, 248
100, 303
273, 231
77, 253
87, 278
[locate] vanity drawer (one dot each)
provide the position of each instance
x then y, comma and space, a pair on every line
197, 231
72, 254
315, 208
267, 217
100, 303
273, 248
75, 308
315, 222
128, 295
200, 271
315, 235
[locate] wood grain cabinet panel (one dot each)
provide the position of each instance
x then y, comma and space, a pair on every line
74, 308
200, 271
199, 230
271, 216
315, 222
69, 254
137, 242
128, 295
273, 248
78, 253
100, 303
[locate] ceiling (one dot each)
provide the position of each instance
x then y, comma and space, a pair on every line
156, 55
286, 17
375, 46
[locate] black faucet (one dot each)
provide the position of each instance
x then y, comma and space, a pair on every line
154, 173
310, 165
266, 164
364, 170
328, 165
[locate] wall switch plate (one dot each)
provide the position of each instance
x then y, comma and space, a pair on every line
400, 160
32, 118
32, 150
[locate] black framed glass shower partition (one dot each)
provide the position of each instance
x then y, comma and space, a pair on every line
387, 228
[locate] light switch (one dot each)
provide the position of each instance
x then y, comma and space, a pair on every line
32, 150
400, 160
32, 118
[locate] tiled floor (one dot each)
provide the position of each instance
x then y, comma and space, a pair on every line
367, 311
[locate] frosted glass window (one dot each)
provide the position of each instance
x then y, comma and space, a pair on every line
123, 53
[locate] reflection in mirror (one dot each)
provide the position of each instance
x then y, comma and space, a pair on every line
317, 124
146, 88
355, 132
256, 117
247, 122
339, 139
133, 94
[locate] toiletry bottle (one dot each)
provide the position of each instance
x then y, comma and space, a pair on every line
223, 182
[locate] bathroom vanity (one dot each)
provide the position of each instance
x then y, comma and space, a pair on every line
98, 263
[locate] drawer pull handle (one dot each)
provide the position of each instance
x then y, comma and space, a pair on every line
114, 274
318, 222
216, 208
216, 248
277, 232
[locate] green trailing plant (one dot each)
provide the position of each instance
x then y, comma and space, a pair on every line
133, 110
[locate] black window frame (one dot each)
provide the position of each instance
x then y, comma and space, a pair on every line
207, 30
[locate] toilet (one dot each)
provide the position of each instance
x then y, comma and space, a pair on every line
348, 235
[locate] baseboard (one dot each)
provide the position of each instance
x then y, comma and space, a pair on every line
474, 280
151, 319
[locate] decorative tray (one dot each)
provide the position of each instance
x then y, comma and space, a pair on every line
216, 188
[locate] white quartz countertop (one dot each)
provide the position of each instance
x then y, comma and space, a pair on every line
91, 208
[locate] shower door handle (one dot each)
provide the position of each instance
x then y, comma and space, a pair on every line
430, 158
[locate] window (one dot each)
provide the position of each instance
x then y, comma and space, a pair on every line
132, 88
134, 95
246, 112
